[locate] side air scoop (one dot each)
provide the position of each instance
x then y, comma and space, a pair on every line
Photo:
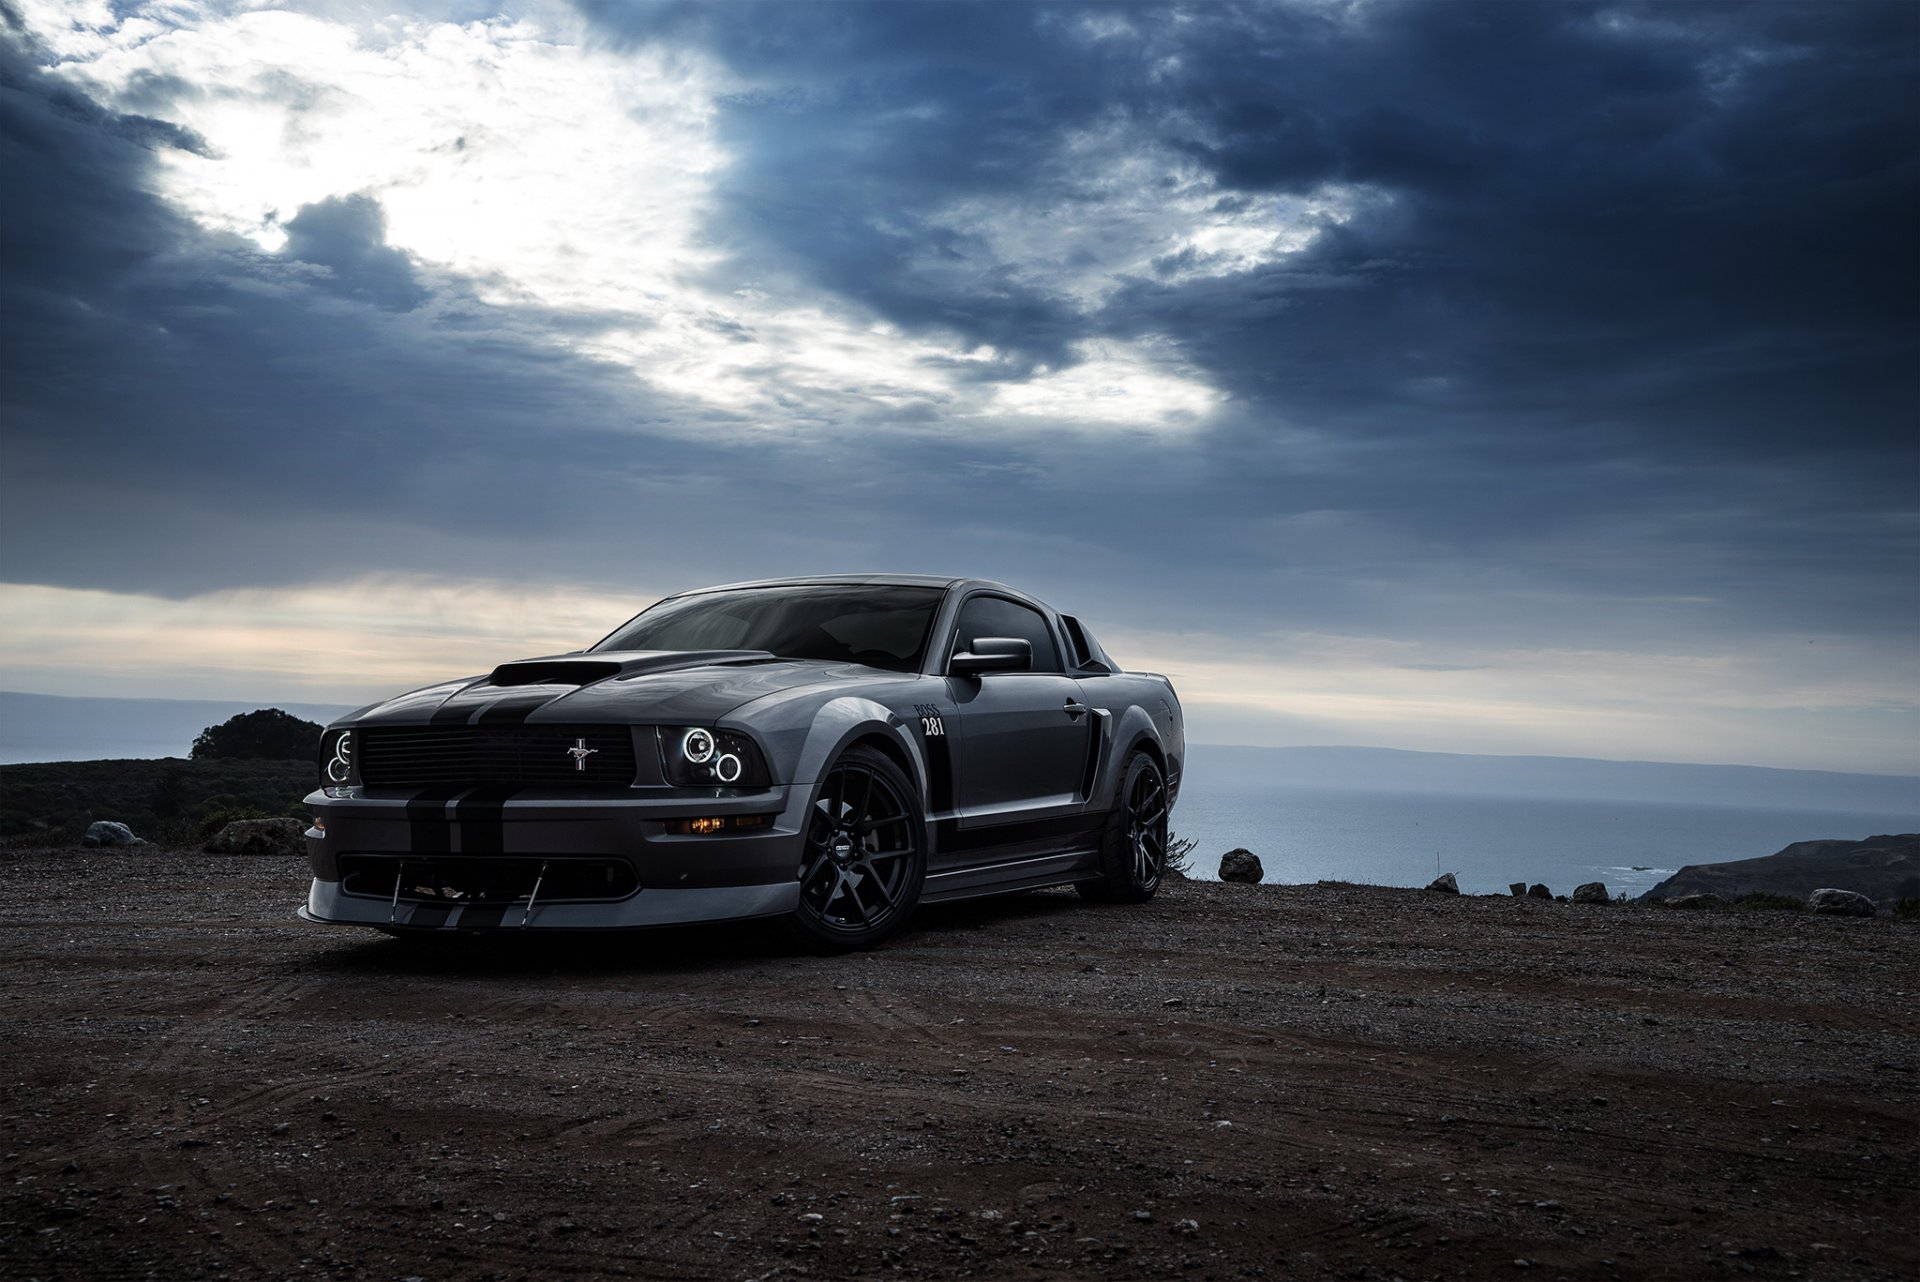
583, 669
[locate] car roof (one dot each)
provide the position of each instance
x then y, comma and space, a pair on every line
866, 580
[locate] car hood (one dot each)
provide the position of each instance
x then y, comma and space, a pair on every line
639, 686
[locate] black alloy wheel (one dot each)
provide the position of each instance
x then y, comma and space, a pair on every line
1133, 846
864, 860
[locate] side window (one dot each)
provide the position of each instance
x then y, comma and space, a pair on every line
1076, 642
992, 616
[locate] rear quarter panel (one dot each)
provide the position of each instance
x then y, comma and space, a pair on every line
1143, 713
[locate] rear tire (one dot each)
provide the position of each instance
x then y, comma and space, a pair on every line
1133, 841
864, 858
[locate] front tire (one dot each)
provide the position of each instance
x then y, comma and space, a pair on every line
864, 859
1133, 842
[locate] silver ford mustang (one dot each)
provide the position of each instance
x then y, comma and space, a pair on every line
829, 751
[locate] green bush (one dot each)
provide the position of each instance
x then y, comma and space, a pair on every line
1759, 902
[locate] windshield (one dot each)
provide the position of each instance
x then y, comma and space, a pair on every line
884, 627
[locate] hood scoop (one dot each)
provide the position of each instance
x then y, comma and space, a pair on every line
583, 669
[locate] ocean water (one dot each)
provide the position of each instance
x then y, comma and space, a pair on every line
1305, 834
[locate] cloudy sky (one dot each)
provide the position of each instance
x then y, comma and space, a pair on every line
1521, 378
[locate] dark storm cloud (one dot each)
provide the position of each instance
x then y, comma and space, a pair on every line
348, 236
874, 115
1685, 211
1630, 305
1679, 223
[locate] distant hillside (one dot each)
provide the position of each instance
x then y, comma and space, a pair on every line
1576, 778
1884, 869
46, 727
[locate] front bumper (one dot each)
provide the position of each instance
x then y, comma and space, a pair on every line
676, 879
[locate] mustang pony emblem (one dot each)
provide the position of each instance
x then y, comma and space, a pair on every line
580, 752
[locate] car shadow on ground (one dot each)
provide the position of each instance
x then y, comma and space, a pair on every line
665, 950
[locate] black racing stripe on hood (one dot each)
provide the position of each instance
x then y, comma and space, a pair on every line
484, 704
453, 711
518, 707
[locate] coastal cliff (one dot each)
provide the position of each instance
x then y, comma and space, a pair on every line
1885, 869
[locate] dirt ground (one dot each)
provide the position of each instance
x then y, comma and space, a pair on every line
1274, 1082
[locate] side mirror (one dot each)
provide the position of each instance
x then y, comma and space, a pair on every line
992, 654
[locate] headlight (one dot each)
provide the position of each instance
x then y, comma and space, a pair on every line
339, 759
696, 757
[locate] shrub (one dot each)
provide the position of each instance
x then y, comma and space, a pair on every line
1907, 909
266, 735
1759, 901
168, 797
1179, 860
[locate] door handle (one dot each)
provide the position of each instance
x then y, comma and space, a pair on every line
1075, 711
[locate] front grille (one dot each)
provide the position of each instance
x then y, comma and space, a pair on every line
454, 879
519, 756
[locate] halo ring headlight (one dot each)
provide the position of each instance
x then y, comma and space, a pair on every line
340, 768
706, 757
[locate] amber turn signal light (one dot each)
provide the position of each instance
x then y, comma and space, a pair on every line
728, 823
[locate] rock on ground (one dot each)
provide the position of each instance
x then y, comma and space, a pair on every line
259, 837
1695, 901
1445, 883
1538, 890
1593, 892
1839, 903
1240, 864
105, 832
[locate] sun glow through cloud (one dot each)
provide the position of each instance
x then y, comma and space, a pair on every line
546, 172
552, 172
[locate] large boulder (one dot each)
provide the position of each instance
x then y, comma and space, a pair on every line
259, 837
1593, 892
1241, 865
1839, 903
105, 832
1538, 890
1445, 883
1518, 889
